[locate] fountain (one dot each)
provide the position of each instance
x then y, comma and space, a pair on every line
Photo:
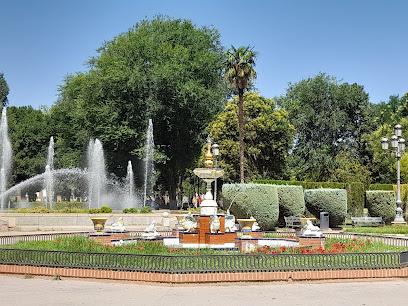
5, 155
96, 173
130, 187
49, 180
149, 163
208, 206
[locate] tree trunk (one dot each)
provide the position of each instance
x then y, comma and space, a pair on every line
172, 189
241, 133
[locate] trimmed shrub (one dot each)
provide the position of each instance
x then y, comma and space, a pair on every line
380, 187
334, 201
381, 203
69, 205
355, 192
291, 201
256, 200
145, 210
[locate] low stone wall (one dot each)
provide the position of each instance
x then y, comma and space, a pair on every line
82, 222
208, 277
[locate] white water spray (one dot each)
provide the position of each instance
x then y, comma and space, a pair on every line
49, 179
5, 155
149, 163
96, 173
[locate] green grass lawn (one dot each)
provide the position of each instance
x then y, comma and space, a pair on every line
387, 229
83, 244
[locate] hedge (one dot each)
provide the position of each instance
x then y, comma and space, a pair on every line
256, 200
333, 201
355, 192
291, 201
381, 203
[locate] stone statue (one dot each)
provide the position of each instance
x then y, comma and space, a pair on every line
214, 224
118, 226
189, 223
150, 232
255, 227
230, 223
311, 230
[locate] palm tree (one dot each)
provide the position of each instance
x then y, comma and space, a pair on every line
239, 71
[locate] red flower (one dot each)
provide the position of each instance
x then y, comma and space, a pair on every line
355, 239
58, 240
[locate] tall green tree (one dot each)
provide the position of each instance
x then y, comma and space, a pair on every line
329, 117
268, 137
29, 131
4, 90
165, 69
239, 71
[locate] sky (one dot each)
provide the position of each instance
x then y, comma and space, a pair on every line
355, 41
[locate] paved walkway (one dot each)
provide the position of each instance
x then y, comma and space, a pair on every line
17, 290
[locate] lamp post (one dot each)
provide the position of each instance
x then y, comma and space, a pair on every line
215, 151
398, 149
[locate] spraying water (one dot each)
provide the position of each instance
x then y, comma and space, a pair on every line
49, 168
5, 155
130, 186
96, 173
149, 163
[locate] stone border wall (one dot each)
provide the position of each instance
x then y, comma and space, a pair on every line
207, 277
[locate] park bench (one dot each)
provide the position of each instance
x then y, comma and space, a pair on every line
367, 221
293, 221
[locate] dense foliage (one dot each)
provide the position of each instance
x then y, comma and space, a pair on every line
333, 201
268, 137
291, 201
164, 69
4, 90
355, 192
253, 200
329, 118
381, 203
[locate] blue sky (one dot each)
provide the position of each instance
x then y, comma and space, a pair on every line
356, 41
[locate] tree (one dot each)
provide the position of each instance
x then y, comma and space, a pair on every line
384, 164
268, 136
30, 133
330, 117
239, 71
164, 69
4, 90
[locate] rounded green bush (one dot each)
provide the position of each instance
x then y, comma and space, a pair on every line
333, 201
291, 201
253, 200
145, 210
381, 203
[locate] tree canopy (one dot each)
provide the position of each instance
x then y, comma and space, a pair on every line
268, 137
4, 90
239, 71
164, 69
330, 117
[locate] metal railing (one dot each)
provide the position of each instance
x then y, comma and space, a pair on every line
13, 239
204, 263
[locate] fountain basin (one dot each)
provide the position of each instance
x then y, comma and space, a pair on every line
99, 223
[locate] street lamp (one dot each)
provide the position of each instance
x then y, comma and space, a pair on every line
398, 149
215, 151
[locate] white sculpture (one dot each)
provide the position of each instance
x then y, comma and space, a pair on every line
214, 224
230, 223
151, 231
189, 223
118, 226
311, 230
255, 227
